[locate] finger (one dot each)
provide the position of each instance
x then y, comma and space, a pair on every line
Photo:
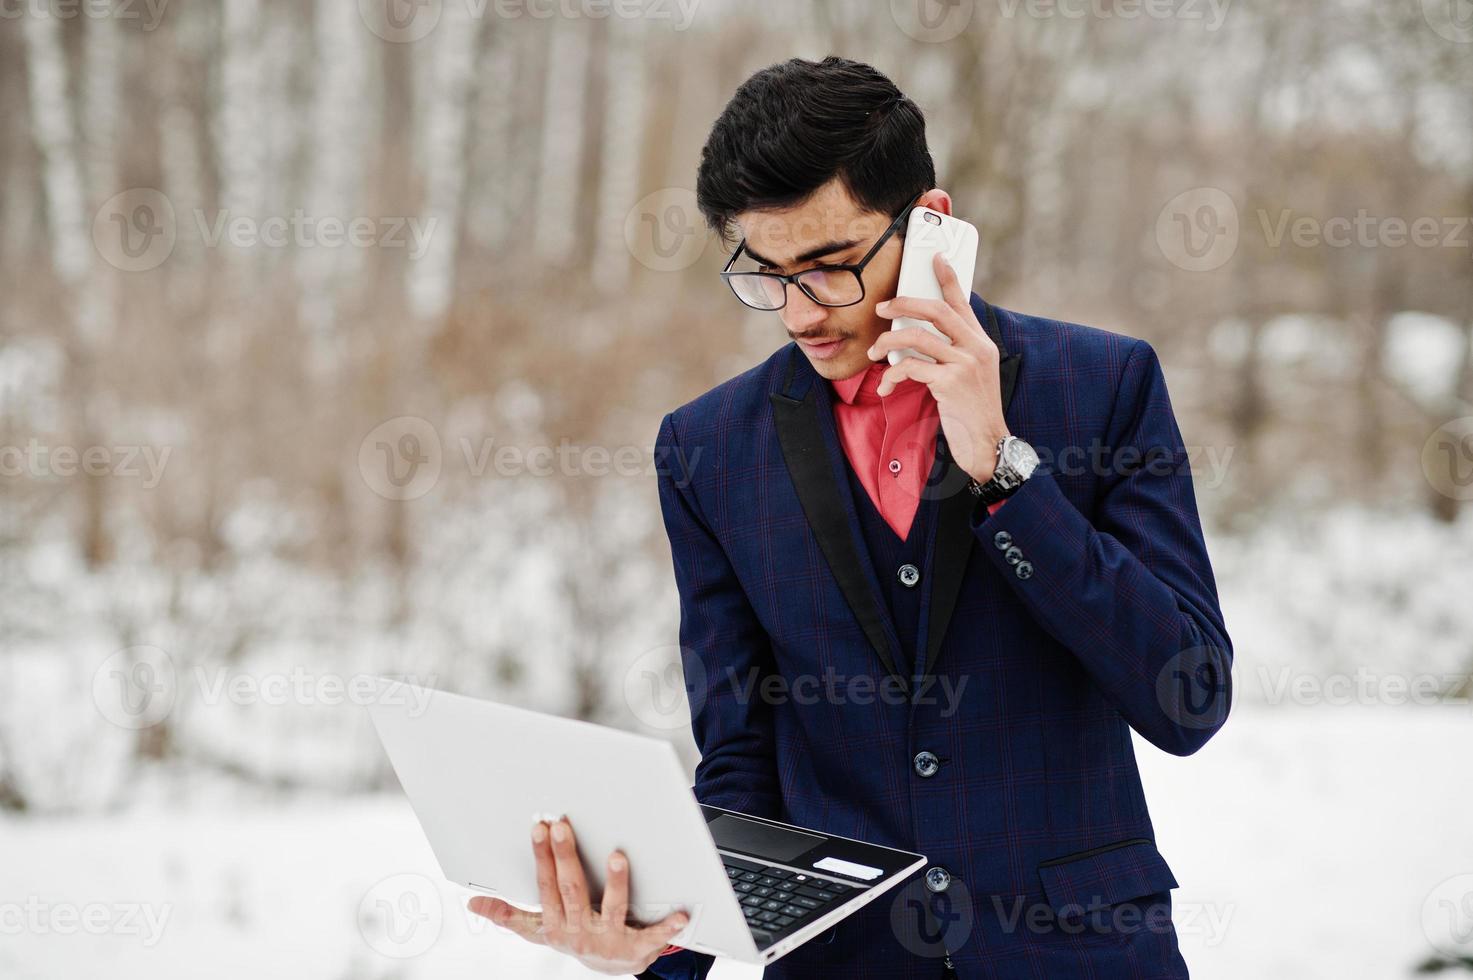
526, 924
912, 368
552, 903
915, 338
935, 311
951, 286
616, 891
659, 934
572, 886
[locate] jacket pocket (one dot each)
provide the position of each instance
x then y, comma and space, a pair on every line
1105, 875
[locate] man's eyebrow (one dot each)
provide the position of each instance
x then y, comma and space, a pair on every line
827, 248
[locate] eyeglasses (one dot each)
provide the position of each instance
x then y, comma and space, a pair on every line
826, 285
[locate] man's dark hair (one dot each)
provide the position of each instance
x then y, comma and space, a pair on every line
794, 126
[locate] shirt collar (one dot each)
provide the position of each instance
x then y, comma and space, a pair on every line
862, 386
867, 380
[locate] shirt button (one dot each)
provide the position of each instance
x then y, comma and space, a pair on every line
909, 575
895, 466
1023, 570
926, 764
1013, 555
938, 879
1002, 539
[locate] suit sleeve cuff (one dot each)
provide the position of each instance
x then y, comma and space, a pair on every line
682, 964
1041, 531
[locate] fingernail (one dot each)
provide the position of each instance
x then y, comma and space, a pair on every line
616, 863
559, 831
539, 831
883, 307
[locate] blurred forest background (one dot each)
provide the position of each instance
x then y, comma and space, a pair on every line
526, 271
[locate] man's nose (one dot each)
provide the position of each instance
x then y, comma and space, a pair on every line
802, 314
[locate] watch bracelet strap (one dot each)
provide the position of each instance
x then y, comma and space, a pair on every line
992, 491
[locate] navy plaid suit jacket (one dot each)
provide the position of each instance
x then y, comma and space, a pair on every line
1083, 608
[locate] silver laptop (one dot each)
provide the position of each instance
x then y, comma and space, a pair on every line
479, 774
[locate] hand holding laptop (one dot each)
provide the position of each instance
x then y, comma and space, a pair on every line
601, 939
713, 881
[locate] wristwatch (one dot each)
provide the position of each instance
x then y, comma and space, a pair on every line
1016, 461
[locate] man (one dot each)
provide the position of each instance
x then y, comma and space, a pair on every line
989, 568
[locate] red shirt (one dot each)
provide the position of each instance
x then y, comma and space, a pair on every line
890, 441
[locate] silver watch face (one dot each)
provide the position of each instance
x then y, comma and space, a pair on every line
1019, 457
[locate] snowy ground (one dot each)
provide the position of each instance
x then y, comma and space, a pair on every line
1306, 839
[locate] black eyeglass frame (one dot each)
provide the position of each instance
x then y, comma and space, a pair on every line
795, 278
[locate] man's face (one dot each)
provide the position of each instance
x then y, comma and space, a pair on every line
829, 228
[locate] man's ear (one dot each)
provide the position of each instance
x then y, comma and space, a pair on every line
937, 200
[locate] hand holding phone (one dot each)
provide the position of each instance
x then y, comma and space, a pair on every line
927, 234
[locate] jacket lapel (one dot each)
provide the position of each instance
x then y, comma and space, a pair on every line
954, 535
797, 413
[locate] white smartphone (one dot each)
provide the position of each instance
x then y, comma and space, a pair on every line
926, 233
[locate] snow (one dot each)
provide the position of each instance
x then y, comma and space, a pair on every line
1310, 836
1423, 352
1306, 840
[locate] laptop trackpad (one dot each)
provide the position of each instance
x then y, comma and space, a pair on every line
760, 839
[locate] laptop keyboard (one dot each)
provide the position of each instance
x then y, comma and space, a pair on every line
776, 899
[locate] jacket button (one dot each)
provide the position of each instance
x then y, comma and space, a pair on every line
895, 466
1002, 539
1013, 555
909, 575
926, 764
1023, 570
938, 879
